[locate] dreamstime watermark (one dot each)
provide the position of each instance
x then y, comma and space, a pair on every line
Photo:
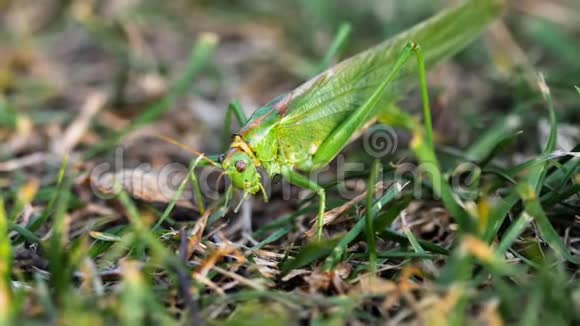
160, 184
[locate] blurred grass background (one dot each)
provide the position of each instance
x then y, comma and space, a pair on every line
79, 77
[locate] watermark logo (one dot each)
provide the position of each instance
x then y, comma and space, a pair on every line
380, 141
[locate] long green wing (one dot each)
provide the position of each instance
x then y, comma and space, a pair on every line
319, 105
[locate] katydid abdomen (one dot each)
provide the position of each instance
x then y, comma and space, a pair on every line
306, 128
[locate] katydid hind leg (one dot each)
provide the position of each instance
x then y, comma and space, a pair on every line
301, 181
424, 94
236, 109
395, 116
336, 141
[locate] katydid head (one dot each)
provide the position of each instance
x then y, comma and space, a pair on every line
237, 165
241, 170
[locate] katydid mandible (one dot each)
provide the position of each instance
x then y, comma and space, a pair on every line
305, 129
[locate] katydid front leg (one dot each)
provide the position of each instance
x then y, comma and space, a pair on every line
303, 182
235, 108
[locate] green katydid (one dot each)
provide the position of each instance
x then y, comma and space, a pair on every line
305, 129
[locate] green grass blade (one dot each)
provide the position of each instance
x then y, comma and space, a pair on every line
372, 246
538, 172
282, 222
549, 36
59, 268
6, 309
44, 297
233, 108
558, 181
338, 44
134, 295
530, 314
514, 231
196, 187
8, 116
308, 254
385, 217
485, 145
533, 184
563, 169
536, 167
272, 237
559, 196
399, 238
394, 254
143, 237
419, 249
499, 213
340, 248
55, 195
179, 192
534, 208
105, 236
430, 164
24, 234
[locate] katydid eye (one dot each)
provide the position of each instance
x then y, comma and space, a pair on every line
241, 166
221, 158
